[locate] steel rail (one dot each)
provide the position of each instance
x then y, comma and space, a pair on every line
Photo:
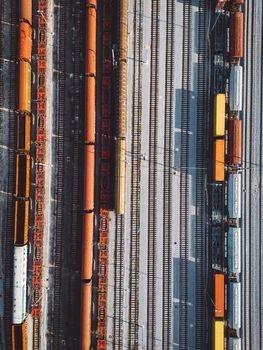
184, 175
135, 176
152, 176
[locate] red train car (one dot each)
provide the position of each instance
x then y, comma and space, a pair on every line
238, 2
236, 34
220, 3
234, 141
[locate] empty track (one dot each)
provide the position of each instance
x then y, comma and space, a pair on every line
152, 176
168, 165
135, 176
184, 179
201, 143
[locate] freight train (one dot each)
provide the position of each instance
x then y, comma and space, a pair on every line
226, 189
22, 184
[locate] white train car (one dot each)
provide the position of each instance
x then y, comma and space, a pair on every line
234, 251
234, 306
234, 344
234, 196
235, 89
19, 284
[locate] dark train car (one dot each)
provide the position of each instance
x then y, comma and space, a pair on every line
219, 75
220, 34
217, 204
236, 34
217, 243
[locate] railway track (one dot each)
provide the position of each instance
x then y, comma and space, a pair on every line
252, 315
60, 176
135, 176
184, 175
118, 286
12, 106
201, 143
152, 176
168, 164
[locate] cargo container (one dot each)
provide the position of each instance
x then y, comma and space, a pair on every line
235, 142
236, 88
19, 284
218, 203
219, 115
234, 344
219, 297
220, 3
19, 339
236, 34
234, 196
234, 251
217, 247
219, 160
234, 306
218, 339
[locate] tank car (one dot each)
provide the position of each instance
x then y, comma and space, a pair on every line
236, 88
234, 196
234, 306
234, 252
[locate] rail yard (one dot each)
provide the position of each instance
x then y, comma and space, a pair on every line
131, 142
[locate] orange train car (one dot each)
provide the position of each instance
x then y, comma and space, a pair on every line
234, 141
89, 155
25, 41
219, 160
219, 296
19, 338
221, 3
22, 175
87, 246
123, 30
86, 295
26, 11
21, 222
238, 2
23, 132
91, 39
236, 34
24, 87
90, 110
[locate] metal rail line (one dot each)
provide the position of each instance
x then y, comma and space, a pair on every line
168, 164
60, 176
118, 286
201, 141
12, 100
152, 176
184, 177
135, 176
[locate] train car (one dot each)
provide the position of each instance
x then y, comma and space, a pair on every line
219, 115
236, 34
234, 196
219, 75
21, 222
87, 246
22, 175
220, 35
24, 87
236, 88
89, 161
120, 177
19, 284
218, 340
234, 251
235, 142
219, 296
221, 3
19, 338
26, 11
25, 41
219, 160
234, 306
234, 344
23, 132
86, 316
238, 2
217, 203
217, 251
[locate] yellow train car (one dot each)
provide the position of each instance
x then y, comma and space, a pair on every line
120, 177
218, 335
24, 87
19, 339
22, 175
219, 115
21, 222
